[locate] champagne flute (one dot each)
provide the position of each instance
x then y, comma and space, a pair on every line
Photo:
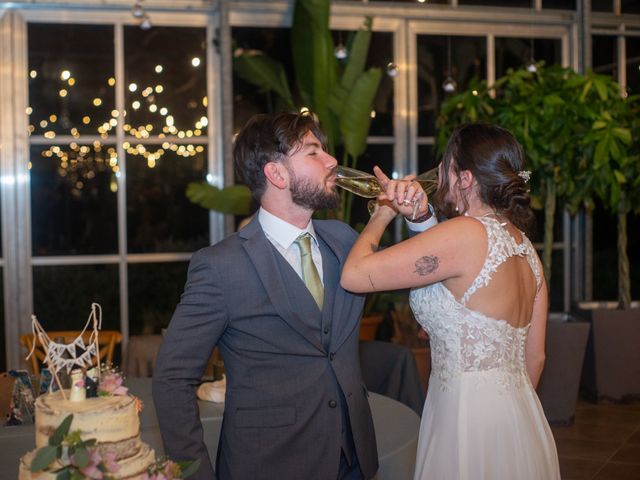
367, 185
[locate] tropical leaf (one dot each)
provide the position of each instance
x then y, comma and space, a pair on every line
356, 117
265, 73
235, 199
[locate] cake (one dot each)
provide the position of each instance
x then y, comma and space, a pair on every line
111, 420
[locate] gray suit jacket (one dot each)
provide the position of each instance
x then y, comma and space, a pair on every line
293, 373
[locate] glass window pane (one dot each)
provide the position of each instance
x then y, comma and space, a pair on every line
468, 60
426, 158
517, 53
602, 5
559, 4
630, 6
633, 65
605, 55
159, 216
165, 79
71, 80
62, 295
73, 199
154, 292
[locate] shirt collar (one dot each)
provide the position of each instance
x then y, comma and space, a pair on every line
282, 231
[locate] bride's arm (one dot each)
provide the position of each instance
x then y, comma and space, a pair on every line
534, 349
435, 255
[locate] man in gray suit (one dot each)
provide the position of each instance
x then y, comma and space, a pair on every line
296, 406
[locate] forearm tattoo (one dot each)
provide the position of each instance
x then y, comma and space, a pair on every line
426, 265
374, 247
371, 282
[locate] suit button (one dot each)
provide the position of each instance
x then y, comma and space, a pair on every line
331, 356
326, 330
333, 403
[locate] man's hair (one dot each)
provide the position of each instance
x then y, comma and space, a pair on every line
269, 138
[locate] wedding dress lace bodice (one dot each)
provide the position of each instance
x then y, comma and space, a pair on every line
465, 340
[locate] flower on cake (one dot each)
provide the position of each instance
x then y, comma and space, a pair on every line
111, 384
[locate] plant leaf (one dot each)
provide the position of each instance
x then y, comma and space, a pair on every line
265, 73
619, 176
82, 457
356, 117
235, 199
44, 457
61, 431
189, 468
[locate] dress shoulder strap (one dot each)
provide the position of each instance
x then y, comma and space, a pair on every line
500, 246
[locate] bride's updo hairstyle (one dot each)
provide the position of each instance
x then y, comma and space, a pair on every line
496, 160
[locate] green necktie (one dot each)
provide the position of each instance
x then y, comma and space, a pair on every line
309, 271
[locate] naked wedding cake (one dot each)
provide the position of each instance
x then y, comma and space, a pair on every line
111, 420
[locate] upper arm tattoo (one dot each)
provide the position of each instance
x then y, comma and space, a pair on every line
374, 247
426, 265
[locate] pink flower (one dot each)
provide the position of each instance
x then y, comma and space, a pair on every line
110, 462
112, 384
92, 470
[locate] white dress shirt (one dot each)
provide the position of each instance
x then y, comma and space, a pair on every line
282, 235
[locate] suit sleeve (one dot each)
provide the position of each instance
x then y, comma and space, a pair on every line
196, 326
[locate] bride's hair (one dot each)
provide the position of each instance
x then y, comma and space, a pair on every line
496, 160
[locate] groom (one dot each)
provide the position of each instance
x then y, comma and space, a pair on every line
269, 297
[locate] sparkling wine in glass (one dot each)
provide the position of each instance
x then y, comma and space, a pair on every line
366, 185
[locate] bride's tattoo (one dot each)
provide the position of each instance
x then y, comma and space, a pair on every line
371, 282
374, 247
426, 265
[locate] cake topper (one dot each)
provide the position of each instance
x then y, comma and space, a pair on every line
67, 356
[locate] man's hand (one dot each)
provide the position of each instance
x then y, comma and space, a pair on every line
405, 195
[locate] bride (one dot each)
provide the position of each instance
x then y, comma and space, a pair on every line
477, 289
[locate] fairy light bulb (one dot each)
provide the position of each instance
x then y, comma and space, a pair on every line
392, 69
340, 52
146, 22
449, 85
137, 11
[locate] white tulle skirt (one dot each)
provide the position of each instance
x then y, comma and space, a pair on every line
477, 428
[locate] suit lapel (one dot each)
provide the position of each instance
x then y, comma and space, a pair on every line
269, 267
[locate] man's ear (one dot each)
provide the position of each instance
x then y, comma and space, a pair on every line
276, 174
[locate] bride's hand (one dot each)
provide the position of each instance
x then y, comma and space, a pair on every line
405, 195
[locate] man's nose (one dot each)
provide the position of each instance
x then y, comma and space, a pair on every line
330, 161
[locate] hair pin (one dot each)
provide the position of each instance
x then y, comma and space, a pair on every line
525, 175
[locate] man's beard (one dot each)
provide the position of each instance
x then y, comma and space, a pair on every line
313, 197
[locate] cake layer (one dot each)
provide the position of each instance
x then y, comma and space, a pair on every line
131, 468
107, 419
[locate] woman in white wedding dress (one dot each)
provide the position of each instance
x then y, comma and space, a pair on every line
478, 290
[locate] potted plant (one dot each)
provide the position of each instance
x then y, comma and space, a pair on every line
611, 366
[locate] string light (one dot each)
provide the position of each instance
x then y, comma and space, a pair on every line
449, 85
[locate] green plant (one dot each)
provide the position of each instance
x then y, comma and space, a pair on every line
576, 133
